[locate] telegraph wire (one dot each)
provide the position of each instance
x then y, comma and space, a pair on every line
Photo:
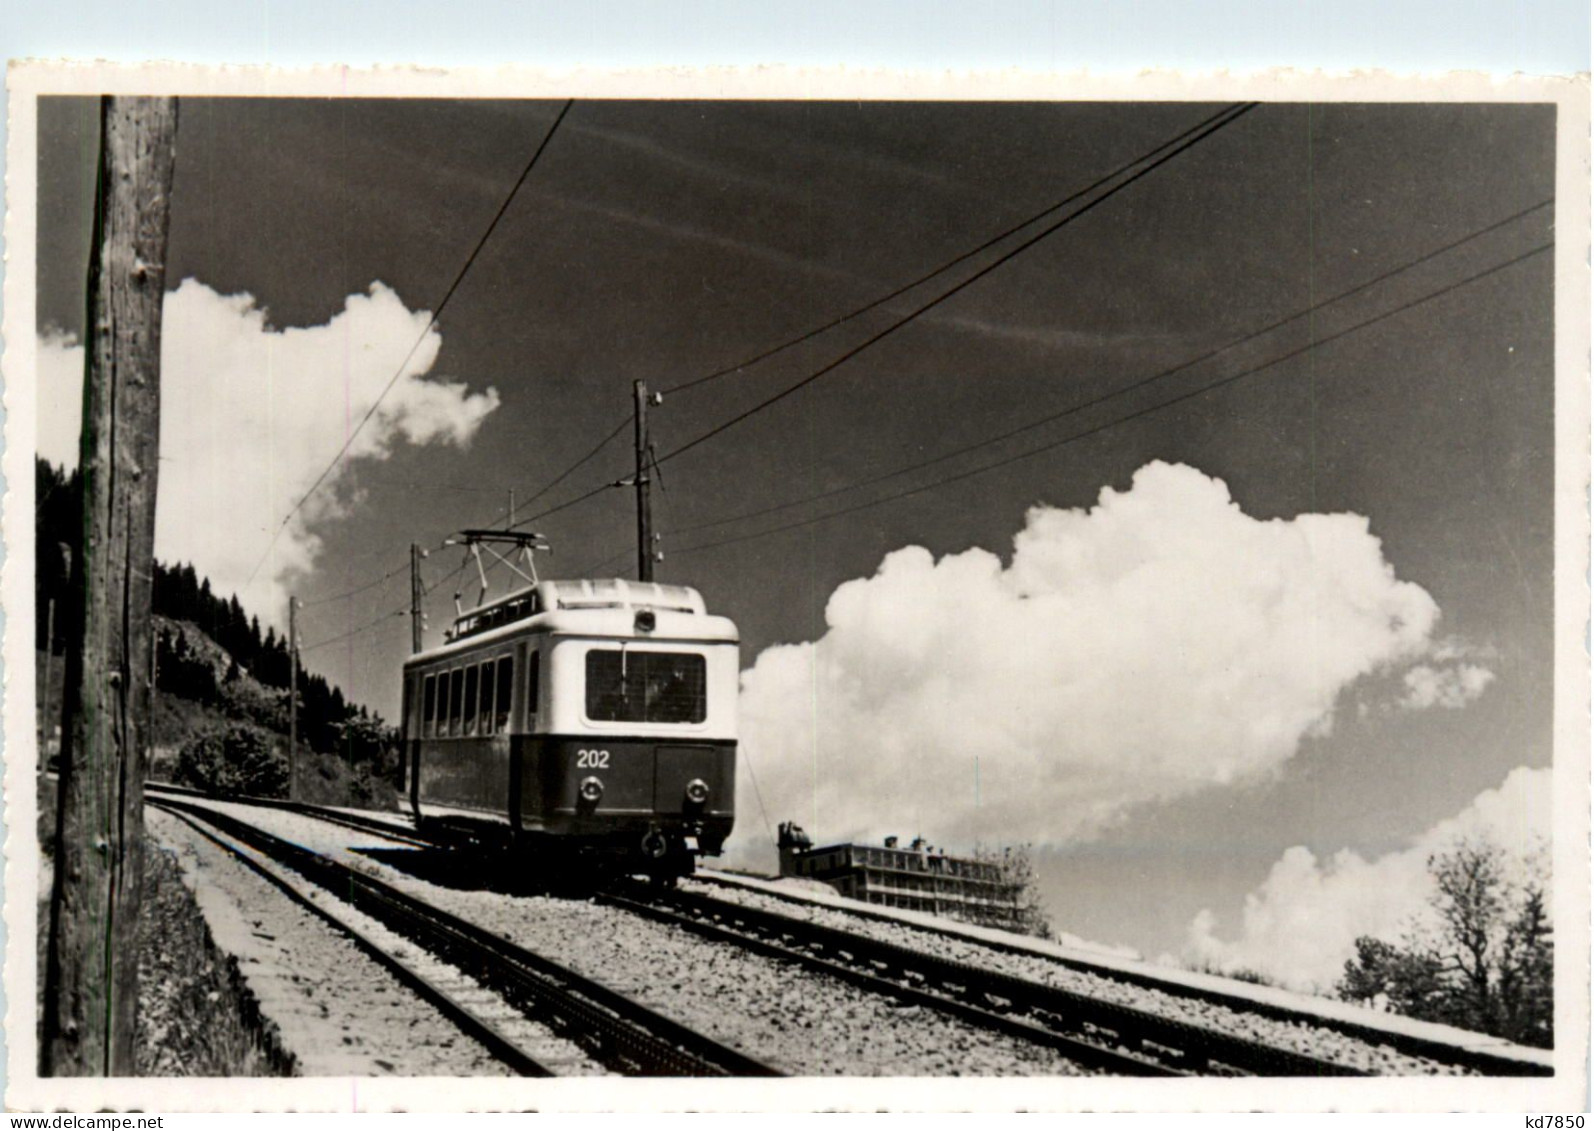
388, 576
436, 314
1148, 410
383, 619
1173, 146
303, 648
1227, 116
942, 458
1167, 150
426, 590
445, 579
1228, 112
399, 569
565, 474
1230, 115
940, 270
1141, 383
600, 489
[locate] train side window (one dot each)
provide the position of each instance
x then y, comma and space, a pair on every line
429, 717
487, 714
468, 715
533, 677
456, 699
506, 687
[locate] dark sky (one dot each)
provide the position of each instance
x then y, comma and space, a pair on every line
665, 240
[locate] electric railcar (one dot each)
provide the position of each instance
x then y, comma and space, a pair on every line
595, 717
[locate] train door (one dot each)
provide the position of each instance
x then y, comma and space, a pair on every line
527, 801
407, 729
423, 729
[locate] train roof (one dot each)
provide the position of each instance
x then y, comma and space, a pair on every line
603, 606
604, 593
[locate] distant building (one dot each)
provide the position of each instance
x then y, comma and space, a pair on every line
916, 878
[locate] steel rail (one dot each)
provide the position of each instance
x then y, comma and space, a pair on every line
617, 1031
1090, 1048
1480, 1060
479, 1028
1125, 1039
388, 829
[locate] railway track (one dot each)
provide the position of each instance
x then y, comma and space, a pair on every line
1486, 1057
618, 1032
1106, 1035
395, 830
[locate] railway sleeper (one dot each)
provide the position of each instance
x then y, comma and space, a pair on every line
1039, 999
617, 1041
1069, 1043
1162, 1051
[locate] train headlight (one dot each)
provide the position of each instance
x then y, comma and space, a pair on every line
697, 791
591, 790
646, 620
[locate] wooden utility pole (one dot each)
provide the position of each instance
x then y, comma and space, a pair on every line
644, 503
91, 970
293, 698
417, 596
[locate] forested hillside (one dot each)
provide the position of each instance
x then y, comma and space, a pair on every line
210, 656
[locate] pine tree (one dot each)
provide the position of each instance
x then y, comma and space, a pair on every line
188, 595
181, 595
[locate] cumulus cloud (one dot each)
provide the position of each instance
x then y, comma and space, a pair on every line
250, 415
1301, 925
1159, 643
1452, 686
60, 368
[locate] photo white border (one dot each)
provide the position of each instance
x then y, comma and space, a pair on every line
1567, 1091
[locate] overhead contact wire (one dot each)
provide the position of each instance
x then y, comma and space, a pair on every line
1131, 387
430, 325
940, 270
1148, 410
354, 631
566, 473
1227, 118
388, 576
1208, 124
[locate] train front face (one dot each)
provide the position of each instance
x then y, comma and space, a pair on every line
632, 743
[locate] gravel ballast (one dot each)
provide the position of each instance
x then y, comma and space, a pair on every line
1304, 1037
335, 1008
759, 1005
796, 1021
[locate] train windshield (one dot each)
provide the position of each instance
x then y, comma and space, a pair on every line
630, 686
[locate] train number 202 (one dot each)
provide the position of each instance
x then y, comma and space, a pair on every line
592, 759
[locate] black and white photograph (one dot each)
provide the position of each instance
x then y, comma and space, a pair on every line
994, 599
